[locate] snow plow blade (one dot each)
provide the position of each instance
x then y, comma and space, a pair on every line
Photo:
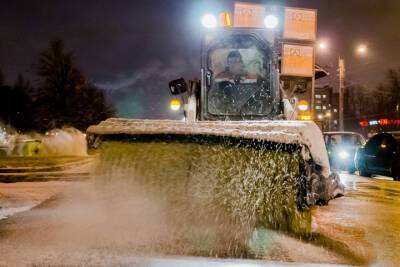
250, 173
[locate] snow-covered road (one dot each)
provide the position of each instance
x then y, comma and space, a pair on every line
83, 226
366, 219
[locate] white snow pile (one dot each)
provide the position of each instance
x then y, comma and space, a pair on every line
304, 133
64, 142
57, 142
6, 212
3, 137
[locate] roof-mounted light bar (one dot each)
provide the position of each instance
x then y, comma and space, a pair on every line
210, 21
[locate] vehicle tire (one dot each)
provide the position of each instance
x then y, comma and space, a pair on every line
351, 170
395, 171
363, 172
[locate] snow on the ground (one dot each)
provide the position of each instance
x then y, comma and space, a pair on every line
2, 137
19, 197
7, 212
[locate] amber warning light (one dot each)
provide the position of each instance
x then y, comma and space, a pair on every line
225, 19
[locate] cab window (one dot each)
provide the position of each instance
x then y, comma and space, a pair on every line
241, 82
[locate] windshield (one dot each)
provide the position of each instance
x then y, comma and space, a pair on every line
241, 84
345, 140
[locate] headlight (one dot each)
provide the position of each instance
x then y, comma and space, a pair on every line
302, 105
175, 105
209, 21
271, 21
343, 154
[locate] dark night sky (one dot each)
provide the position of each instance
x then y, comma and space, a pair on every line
138, 46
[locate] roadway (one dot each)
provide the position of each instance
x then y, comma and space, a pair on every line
81, 226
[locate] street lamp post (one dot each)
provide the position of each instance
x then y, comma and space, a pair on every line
361, 50
341, 92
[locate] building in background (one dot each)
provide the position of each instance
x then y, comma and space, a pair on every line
335, 112
326, 107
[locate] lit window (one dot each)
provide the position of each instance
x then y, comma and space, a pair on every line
323, 107
335, 121
323, 96
317, 96
334, 110
317, 107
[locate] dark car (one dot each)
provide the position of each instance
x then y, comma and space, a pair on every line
380, 156
342, 147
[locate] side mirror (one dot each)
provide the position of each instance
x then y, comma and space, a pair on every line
178, 86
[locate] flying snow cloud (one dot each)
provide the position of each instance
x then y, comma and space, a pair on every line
153, 72
144, 93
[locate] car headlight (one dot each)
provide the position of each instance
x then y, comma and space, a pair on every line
343, 154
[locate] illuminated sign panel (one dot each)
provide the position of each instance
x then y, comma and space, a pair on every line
249, 15
382, 122
298, 60
300, 24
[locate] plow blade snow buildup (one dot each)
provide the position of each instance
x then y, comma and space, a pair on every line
250, 173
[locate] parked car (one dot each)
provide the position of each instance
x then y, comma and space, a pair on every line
381, 155
341, 147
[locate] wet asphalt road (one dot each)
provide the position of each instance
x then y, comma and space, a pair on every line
367, 219
77, 228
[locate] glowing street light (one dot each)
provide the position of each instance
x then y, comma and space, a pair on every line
323, 45
209, 21
362, 49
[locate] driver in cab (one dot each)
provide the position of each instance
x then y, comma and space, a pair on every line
235, 69
234, 87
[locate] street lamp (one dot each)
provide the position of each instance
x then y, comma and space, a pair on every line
361, 49
322, 45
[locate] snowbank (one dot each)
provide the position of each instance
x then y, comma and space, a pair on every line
57, 142
8, 212
64, 142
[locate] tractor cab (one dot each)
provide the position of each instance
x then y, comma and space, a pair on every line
239, 77
257, 68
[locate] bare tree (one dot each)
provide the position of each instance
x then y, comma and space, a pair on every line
1, 78
65, 96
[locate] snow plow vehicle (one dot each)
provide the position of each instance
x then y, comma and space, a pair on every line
237, 155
